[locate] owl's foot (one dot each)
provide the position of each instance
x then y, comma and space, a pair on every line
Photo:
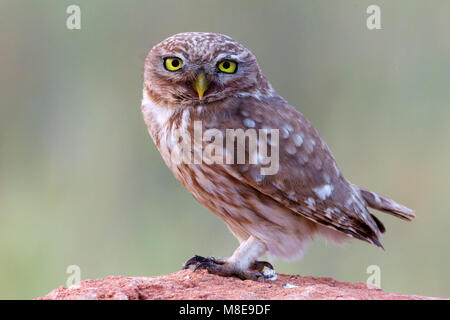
225, 269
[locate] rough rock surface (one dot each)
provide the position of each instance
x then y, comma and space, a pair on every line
186, 284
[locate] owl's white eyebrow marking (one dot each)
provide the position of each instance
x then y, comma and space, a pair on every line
256, 95
324, 191
228, 56
173, 55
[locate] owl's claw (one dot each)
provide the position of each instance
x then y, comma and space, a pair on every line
196, 260
221, 268
260, 265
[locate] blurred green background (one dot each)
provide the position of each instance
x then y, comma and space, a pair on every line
81, 182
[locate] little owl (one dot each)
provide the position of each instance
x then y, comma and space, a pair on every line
210, 79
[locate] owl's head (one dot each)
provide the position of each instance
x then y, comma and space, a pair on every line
196, 67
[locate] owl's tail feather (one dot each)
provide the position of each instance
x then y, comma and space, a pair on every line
381, 203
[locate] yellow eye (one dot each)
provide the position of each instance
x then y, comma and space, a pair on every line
227, 66
173, 64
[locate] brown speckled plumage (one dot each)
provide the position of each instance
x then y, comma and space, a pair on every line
279, 212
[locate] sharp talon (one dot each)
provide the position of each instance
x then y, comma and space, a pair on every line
193, 261
259, 265
196, 260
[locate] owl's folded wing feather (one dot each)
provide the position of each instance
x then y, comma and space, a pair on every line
308, 181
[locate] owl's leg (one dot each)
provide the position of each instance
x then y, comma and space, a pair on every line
241, 264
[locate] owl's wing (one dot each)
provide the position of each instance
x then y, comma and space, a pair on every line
307, 181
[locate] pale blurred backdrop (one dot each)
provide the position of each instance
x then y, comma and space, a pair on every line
81, 182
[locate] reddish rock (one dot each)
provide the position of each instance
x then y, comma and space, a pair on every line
186, 284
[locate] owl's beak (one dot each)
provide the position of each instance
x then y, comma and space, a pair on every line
200, 84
